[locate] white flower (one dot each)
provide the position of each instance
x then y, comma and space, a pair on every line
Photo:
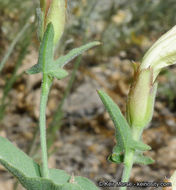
161, 54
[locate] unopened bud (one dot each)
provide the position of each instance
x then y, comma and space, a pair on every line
54, 12
161, 54
141, 98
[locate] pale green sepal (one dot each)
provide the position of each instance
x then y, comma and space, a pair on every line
151, 103
141, 159
34, 69
139, 145
140, 100
63, 60
59, 73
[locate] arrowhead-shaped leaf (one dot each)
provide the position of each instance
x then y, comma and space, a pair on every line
123, 132
28, 172
46, 52
15, 160
46, 63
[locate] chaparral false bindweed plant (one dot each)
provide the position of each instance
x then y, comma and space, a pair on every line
140, 104
30, 174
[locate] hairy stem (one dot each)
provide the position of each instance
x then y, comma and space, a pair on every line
56, 123
128, 164
129, 158
46, 83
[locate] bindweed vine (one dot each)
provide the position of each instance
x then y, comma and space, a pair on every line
140, 105
31, 175
139, 110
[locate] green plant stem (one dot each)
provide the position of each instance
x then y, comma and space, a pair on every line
128, 164
129, 158
56, 122
46, 83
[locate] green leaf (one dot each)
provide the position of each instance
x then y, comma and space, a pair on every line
46, 63
34, 69
59, 176
47, 48
123, 131
46, 52
139, 145
117, 156
139, 158
59, 73
85, 183
8, 157
28, 172
63, 60
71, 186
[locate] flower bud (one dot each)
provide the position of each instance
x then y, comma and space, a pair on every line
161, 54
141, 98
54, 12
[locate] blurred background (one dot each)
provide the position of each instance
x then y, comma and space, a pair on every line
80, 133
